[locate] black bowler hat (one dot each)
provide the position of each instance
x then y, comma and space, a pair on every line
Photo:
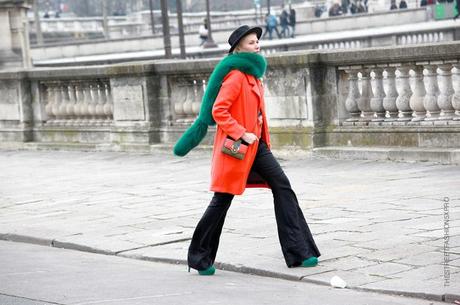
240, 32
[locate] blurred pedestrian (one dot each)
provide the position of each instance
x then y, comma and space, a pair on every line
270, 26
353, 7
203, 32
284, 22
361, 7
345, 5
292, 21
335, 10
402, 4
234, 101
393, 5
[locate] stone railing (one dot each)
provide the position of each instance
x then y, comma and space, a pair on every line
427, 37
387, 97
405, 96
88, 27
76, 103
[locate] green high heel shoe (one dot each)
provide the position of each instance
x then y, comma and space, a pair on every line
209, 271
310, 262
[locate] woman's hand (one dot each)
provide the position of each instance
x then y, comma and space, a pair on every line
249, 137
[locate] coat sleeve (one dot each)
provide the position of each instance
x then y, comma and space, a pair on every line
228, 93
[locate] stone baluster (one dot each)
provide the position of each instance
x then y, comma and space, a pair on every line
419, 92
84, 106
402, 40
78, 99
432, 91
56, 103
456, 86
91, 104
351, 103
364, 102
70, 109
389, 101
178, 104
65, 100
378, 96
197, 96
108, 106
446, 92
96, 102
404, 94
101, 99
188, 99
60, 110
48, 99
82, 103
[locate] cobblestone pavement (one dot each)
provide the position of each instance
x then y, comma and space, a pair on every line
392, 227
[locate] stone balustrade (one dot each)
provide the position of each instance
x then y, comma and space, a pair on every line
71, 25
407, 96
77, 103
402, 94
427, 37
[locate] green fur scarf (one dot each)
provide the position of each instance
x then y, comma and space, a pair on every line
249, 63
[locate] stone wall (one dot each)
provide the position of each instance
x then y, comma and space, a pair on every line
381, 97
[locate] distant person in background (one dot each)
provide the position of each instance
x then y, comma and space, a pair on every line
203, 32
345, 5
292, 21
402, 4
284, 22
335, 10
271, 24
353, 7
393, 5
319, 10
361, 7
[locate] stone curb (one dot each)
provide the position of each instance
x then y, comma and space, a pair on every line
219, 265
445, 156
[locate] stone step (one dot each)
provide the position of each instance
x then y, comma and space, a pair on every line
404, 154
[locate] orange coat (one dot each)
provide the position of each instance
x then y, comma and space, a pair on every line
235, 111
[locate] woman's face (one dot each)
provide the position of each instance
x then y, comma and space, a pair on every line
249, 43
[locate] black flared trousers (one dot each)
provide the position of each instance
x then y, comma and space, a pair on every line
294, 235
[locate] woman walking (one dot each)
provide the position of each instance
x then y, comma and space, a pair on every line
234, 100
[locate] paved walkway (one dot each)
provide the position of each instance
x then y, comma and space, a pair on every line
379, 225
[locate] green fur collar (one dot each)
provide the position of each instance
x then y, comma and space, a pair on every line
249, 63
